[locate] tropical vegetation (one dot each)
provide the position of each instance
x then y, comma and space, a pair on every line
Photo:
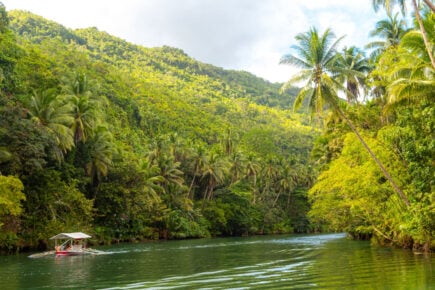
376, 158
129, 143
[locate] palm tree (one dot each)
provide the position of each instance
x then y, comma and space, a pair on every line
198, 159
251, 172
414, 78
151, 179
354, 67
387, 4
238, 163
84, 108
228, 142
391, 31
169, 170
214, 172
317, 56
430, 5
177, 146
102, 149
52, 111
268, 176
85, 119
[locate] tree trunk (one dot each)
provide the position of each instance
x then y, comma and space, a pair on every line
423, 32
430, 4
378, 162
276, 199
190, 188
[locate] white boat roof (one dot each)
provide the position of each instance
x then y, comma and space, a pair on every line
75, 236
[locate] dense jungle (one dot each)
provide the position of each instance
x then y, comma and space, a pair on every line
129, 143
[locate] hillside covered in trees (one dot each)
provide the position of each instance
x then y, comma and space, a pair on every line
131, 143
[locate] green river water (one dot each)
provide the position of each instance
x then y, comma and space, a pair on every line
266, 262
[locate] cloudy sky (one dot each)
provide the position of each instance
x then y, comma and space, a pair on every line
249, 35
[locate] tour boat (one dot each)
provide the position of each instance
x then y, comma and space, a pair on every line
70, 244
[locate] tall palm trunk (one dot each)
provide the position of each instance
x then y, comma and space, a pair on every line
430, 4
423, 31
375, 158
189, 193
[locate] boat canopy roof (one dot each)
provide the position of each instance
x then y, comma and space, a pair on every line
75, 236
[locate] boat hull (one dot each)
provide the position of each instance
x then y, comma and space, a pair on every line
70, 253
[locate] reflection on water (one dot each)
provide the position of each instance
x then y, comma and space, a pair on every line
269, 262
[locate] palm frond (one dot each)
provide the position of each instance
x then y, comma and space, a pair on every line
295, 61
304, 93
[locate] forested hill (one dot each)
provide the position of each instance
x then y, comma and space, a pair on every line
152, 73
127, 142
113, 50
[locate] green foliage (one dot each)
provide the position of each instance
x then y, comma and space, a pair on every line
88, 124
11, 196
53, 206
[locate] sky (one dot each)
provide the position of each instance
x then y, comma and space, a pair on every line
250, 35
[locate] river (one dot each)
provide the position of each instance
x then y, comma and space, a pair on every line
327, 261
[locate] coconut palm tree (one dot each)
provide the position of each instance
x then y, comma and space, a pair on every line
169, 170
238, 163
84, 108
252, 169
85, 117
430, 5
151, 179
268, 176
391, 31
286, 181
354, 67
197, 160
228, 142
388, 4
214, 172
414, 78
316, 55
102, 149
53, 112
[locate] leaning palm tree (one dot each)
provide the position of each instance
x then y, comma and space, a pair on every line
316, 55
430, 5
388, 4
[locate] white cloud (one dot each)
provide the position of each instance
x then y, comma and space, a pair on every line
247, 35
